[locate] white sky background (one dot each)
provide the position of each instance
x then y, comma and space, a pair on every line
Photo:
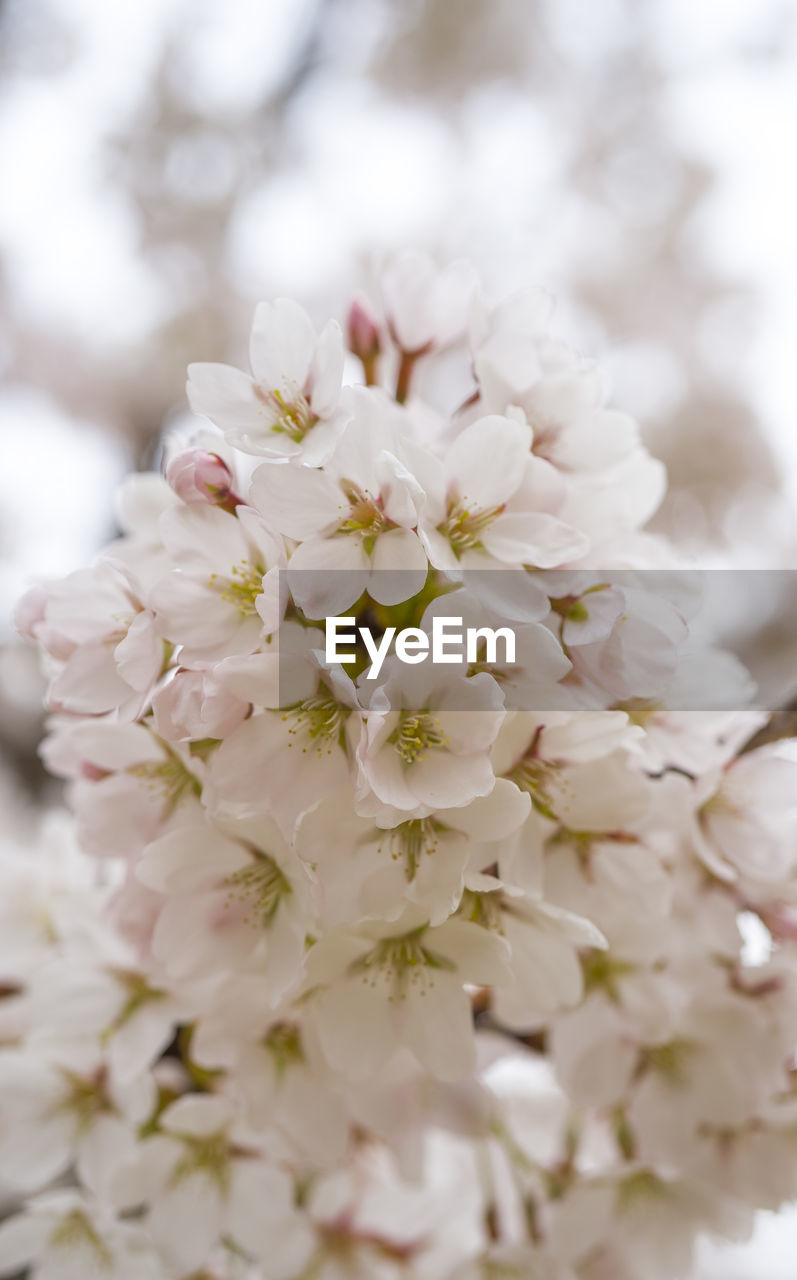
370, 173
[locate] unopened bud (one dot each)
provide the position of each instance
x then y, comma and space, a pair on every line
363, 331
198, 476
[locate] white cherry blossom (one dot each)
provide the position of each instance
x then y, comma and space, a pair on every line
288, 404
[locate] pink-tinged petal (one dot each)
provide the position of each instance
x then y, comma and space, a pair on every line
602, 440
202, 538
185, 1221
548, 977
504, 593
438, 549
225, 395
385, 774
104, 1147
197, 1115
139, 656
189, 858
485, 463
330, 958
272, 600
252, 678
442, 781
426, 303
399, 567
114, 746
494, 816
326, 370
193, 614
429, 472
298, 501
262, 768
368, 433
354, 1026
247, 753
327, 575
594, 617
763, 781
542, 488
506, 365
202, 935
281, 346
262, 1218
141, 1039
609, 505
319, 442
89, 682
403, 497
32, 1154
567, 396
750, 849
534, 539
117, 816
470, 730
594, 1054
575, 929
269, 549
438, 1027
21, 1240
480, 956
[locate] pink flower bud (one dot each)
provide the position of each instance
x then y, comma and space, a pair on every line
198, 476
363, 331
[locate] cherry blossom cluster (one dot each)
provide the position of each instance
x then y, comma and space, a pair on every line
441, 974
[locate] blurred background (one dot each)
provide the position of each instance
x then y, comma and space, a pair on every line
167, 163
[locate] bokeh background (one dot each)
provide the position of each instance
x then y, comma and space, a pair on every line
164, 164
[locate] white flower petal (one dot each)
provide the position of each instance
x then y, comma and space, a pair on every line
281, 346
485, 463
298, 501
534, 539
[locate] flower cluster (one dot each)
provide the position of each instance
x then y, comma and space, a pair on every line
437, 975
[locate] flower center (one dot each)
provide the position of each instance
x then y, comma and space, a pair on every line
642, 1185
535, 776
318, 722
401, 960
409, 841
137, 991
262, 885
640, 711
170, 777
76, 1232
365, 515
242, 588
284, 1044
670, 1060
417, 732
292, 418
85, 1096
209, 1155
484, 909
464, 528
